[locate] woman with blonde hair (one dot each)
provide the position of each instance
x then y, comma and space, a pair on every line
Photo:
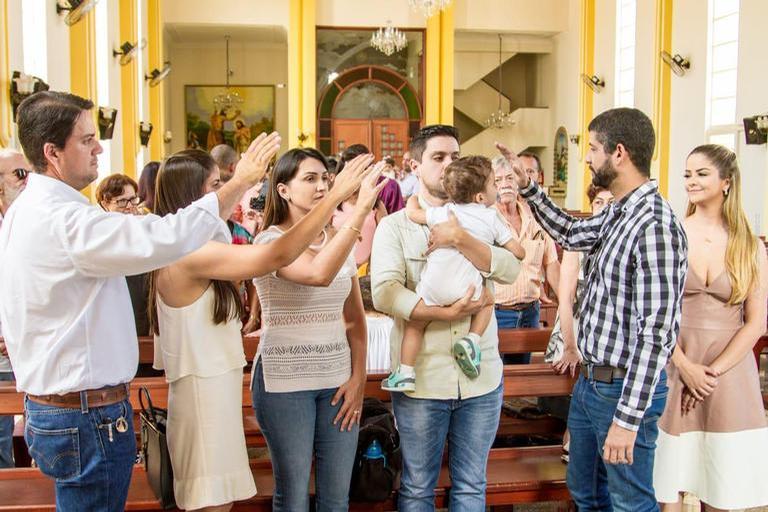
713, 435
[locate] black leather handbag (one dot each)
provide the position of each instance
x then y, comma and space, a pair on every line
154, 450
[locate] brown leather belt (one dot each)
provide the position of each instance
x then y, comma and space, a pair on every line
515, 307
601, 373
96, 397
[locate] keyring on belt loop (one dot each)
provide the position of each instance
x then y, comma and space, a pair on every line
84, 402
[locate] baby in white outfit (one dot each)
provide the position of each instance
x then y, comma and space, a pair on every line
448, 274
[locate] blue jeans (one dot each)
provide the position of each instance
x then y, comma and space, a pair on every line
525, 318
84, 453
593, 484
6, 433
298, 425
470, 426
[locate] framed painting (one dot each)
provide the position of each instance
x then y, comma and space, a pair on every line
560, 160
208, 126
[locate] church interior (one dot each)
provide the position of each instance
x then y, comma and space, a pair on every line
170, 75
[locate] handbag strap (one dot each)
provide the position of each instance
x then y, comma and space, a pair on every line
150, 412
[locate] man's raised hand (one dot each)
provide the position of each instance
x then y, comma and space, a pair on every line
521, 178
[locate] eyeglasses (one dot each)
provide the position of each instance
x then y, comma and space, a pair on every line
122, 203
20, 173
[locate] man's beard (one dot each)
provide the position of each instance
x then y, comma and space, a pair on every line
604, 176
436, 191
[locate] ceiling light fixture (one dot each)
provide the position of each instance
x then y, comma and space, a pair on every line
499, 119
388, 40
429, 7
227, 99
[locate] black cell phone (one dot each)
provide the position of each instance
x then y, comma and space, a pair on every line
257, 203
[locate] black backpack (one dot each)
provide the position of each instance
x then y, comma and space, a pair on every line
378, 462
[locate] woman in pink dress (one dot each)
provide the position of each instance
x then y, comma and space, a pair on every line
713, 436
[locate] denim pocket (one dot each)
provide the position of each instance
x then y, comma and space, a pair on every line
608, 392
55, 451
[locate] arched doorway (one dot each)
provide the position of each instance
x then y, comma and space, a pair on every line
368, 105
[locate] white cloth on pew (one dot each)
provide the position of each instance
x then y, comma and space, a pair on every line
206, 441
379, 331
64, 304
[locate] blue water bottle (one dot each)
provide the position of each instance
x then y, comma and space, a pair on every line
374, 451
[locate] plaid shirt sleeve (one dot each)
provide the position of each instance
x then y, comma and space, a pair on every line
660, 267
571, 233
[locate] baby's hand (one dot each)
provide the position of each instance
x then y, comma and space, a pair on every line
414, 212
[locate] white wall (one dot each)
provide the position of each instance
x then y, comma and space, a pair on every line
687, 117
253, 64
231, 12
560, 76
751, 99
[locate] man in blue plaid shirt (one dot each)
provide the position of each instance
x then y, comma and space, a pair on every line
629, 316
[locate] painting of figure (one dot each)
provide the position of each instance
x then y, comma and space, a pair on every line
209, 124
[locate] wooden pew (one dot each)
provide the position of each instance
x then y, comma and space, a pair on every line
515, 475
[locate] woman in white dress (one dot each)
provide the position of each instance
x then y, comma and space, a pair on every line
195, 314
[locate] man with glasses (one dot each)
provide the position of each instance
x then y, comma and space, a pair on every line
13, 179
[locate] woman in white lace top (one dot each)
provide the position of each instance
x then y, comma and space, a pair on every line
309, 378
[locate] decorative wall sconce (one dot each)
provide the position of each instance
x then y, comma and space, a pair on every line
158, 75
678, 63
594, 82
22, 86
756, 129
128, 51
303, 137
575, 138
75, 9
167, 136
145, 130
106, 121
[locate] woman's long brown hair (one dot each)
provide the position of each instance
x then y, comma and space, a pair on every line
180, 182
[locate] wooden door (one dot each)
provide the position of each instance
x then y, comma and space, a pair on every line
390, 138
350, 131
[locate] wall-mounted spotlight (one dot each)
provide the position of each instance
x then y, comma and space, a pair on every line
128, 51
75, 9
145, 130
106, 121
594, 82
575, 138
158, 75
756, 129
677, 62
22, 86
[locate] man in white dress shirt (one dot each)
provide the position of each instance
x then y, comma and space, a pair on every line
13, 178
64, 303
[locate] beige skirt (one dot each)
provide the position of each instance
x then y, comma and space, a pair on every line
206, 441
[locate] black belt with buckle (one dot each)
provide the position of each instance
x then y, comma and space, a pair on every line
602, 373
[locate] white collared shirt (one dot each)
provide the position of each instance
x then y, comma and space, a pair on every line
64, 302
5, 363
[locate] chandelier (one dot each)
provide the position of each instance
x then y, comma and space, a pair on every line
227, 99
499, 119
429, 7
388, 40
